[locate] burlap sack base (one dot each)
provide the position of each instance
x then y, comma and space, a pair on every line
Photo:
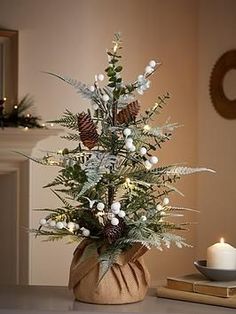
127, 280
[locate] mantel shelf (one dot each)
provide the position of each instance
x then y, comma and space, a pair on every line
21, 140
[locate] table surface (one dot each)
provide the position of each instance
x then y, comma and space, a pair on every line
58, 300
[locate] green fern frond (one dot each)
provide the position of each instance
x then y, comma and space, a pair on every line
68, 120
25, 103
97, 165
72, 137
107, 259
64, 201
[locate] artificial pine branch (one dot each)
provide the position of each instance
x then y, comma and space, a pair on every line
68, 120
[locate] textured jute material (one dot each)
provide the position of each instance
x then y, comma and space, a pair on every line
126, 281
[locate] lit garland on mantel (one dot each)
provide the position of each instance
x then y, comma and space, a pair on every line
17, 116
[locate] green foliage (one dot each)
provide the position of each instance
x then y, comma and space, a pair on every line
119, 171
17, 116
68, 120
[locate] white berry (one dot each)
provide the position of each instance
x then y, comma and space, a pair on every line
95, 106
147, 164
127, 132
148, 70
153, 160
129, 145
52, 223
105, 97
159, 207
92, 88
143, 151
86, 232
140, 78
143, 218
43, 222
100, 77
115, 207
100, 206
71, 225
59, 225
152, 64
121, 214
76, 227
166, 201
132, 148
129, 140
114, 221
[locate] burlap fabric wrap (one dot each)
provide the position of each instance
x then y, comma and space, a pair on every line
127, 280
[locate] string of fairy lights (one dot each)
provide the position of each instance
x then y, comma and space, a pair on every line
18, 116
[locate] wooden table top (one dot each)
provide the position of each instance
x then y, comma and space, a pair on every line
59, 300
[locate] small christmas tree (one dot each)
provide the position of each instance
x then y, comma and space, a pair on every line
115, 195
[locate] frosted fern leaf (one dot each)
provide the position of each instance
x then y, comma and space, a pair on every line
80, 87
169, 238
97, 165
173, 188
180, 171
160, 132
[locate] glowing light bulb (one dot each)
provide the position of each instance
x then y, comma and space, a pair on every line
4, 98
147, 165
115, 47
26, 128
127, 180
52, 124
146, 127
15, 107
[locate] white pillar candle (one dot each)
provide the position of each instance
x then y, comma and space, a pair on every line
221, 255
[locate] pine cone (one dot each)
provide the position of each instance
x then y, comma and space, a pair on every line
87, 129
129, 113
113, 233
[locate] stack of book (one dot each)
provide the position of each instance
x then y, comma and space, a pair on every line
196, 288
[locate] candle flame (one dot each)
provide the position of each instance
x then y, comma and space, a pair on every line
222, 240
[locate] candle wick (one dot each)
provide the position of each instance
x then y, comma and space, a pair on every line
222, 240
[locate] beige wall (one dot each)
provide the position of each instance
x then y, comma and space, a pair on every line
216, 135
70, 37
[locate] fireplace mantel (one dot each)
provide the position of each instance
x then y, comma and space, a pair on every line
23, 140
13, 140
15, 206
